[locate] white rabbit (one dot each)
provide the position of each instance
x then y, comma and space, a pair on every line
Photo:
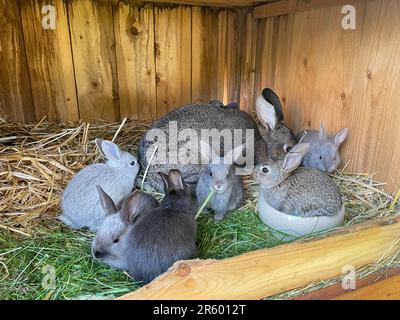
80, 201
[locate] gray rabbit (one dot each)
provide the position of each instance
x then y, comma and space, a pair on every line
294, 190
80, 202
165, 234
324, 150
111, 242
220, 176
215, 115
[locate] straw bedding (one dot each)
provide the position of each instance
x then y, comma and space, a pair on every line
36, 162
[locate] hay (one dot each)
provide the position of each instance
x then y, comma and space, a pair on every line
36, 162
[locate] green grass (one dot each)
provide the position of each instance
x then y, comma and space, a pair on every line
23, 261
68, 253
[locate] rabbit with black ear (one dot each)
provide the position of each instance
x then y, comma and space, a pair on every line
324, 150
111, 242
295, 190
219, 175
165, 234
270, 113
80, 202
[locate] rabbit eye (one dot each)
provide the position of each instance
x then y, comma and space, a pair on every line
334, 158
320, 157
116, 240
210, 174
265, 170
133, 163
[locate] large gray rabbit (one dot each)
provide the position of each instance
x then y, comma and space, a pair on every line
165, 234
295, 190
324, 150
220, 176
111, 242
80, 201
214, 115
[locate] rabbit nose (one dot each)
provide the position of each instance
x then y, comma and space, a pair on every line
98, 254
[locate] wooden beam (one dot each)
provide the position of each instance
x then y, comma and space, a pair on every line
336, 291
215, 3
284, 7
388, 289
262, 273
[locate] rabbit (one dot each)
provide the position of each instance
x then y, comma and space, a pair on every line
294, 190
214, 115
324, 151
220, 177
111, 241
165, 234
80, 203
269, 112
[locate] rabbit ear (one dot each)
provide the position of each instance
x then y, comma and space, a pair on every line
110, 150
294, 157
234, 155
135, 204
269, 95
266, 113
165, 180
341, 136
301, 148
176, 182
207, 153
322, 134
98, 142
106, 202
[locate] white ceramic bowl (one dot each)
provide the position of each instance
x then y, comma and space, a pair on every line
296, 226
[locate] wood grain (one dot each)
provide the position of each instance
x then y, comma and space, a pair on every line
248, 66
173, 57
262, 273
50, 62
93, 47
388, 289
134, 33
285, 7
336, 291
215, 3
15, 92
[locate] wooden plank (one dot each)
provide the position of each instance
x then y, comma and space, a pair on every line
336, 290
235, 24
262, 273
215, 3
134, 33
274, 9
173, 57
50, 62
285, 7
93, 47
248, 69
15, 91
266, 54
388, 289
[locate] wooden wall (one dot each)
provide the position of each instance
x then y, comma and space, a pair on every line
344, 78
109, 59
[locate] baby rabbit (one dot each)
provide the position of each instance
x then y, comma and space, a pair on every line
220, 176
324, 151
112, 239
80, 203
304, 192
165, 234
